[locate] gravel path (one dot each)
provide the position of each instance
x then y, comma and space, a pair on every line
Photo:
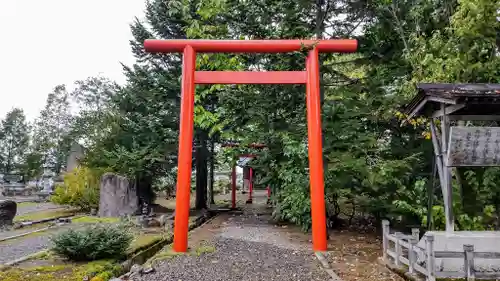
236, 259
244, 247
13, 249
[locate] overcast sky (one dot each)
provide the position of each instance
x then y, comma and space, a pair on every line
51, 42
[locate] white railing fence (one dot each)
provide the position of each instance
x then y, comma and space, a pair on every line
401, 250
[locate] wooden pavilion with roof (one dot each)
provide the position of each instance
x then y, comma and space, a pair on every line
459, 142
465, 132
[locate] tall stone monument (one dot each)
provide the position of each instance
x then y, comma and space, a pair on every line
118, 196
76, 153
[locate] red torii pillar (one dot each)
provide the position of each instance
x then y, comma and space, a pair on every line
250, 186
233, 187
190, 77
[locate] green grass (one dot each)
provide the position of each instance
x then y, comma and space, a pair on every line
101, 270
26, 204
143, 240
204, 249
89, 219
170, 203
166, 253
49, 214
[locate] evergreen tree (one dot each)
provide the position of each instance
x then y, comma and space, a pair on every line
14, 141
143, 141
52, 130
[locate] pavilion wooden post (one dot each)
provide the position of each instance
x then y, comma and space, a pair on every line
310, 77
447, 188
440, 144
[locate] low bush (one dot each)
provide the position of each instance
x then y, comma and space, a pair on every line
80, 189
220, 185
101, 241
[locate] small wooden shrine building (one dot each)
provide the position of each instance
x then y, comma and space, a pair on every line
467, 133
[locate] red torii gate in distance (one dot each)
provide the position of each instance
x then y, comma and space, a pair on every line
233, 172
309, 77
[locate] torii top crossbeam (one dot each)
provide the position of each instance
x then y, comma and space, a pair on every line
249, 46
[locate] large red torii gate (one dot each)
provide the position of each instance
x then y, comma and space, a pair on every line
190, 78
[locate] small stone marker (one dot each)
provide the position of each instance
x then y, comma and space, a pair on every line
163, 220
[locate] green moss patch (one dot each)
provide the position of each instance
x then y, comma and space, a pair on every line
49, 267
49, 214
170, 203
90, 219
166, 253
97, 270
204, 249
26, 204
142, 241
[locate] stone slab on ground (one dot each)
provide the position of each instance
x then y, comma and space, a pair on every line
14, 232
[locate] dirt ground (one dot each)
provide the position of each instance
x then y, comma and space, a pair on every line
355, 256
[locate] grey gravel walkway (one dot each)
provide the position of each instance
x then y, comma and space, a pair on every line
247, 248
17, 248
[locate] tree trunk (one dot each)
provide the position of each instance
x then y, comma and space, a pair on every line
212, 168
201, 172
145, 192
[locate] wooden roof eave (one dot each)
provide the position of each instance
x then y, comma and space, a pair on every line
416, 106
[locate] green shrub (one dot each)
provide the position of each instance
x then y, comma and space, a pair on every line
294, 206
80, 189
220, 184
92, 243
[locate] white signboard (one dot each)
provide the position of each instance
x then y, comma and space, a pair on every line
243, 161
474, 146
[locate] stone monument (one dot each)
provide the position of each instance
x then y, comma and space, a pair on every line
76, 153
118, 196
